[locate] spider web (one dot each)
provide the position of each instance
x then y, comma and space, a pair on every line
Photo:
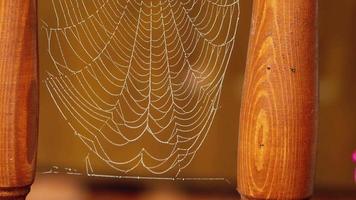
133, 74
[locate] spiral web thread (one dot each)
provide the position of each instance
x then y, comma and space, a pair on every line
129, 69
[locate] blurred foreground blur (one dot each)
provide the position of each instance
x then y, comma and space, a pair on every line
69, 188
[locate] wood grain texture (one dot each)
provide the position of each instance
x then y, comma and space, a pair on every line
278, 120
18, 97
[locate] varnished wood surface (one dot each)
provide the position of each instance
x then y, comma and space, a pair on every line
18, 97
278, 121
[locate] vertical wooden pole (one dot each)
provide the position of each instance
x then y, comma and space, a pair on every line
18, 97
278, 121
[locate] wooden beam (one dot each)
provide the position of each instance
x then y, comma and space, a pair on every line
18, 97
278, 120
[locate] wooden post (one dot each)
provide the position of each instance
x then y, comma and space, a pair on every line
278, 121
18, 97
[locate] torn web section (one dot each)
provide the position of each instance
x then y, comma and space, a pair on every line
134, 89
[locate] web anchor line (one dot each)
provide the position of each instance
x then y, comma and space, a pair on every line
68, 171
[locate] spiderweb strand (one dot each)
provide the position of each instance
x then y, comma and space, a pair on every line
140, 73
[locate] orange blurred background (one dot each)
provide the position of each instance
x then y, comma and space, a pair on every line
337, 132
